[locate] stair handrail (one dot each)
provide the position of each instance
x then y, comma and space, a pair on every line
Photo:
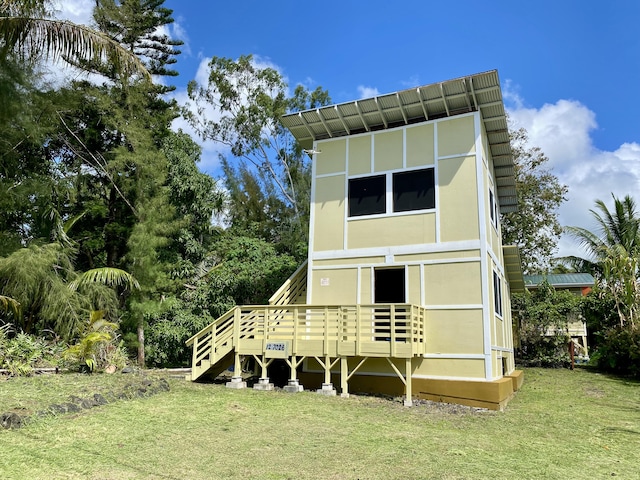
298, 280
218, 320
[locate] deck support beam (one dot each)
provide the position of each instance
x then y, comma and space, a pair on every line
293, 385
236, 381
327, 386
263, 382
406, 379
345, 375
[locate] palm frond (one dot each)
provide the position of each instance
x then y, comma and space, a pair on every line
57, 39
113, 277
9, 303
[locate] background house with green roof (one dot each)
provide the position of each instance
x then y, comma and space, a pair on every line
577, 283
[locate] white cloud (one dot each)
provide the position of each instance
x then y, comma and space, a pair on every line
367, 92
563, 131
76, 11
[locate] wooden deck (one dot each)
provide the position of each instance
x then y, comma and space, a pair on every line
327, 333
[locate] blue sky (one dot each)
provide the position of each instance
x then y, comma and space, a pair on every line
570, 69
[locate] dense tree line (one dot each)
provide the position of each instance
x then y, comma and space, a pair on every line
107, 242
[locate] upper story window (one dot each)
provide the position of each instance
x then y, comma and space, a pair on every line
412, 190
493, 209
367, 196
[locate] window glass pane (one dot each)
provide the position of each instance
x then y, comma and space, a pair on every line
414, 190
367, 196
497, 293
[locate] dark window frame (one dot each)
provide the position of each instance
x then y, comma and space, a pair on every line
361, 204
411, 191
414, 190
497, 294
493, 209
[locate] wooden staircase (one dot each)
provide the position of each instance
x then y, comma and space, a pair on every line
327, 333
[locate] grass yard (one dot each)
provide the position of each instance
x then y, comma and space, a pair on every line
562, 424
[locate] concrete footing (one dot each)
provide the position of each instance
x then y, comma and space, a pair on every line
327, 389
293, 387
263, 384
237, 383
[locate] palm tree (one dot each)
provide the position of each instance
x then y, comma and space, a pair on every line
615, 230
26, 29
51, 294
614, 254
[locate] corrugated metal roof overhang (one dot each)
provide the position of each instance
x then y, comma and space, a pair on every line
513, 268
480, 92
565, 280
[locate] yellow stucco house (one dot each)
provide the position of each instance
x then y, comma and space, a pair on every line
407, 284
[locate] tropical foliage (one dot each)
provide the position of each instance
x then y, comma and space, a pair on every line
106, 235
613, 253
27, 30
542, 318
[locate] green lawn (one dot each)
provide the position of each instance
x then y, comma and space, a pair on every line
561, 425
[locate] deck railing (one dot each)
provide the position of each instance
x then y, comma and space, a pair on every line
378, 330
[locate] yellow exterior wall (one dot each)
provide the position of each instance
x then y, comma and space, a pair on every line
456, 136
458, 199
359, 155
333, 158
435, 256
414, 286
391, 231
341, 289
454, 331
366, 295
388, 151
451, 367
420, 146
349, 261
462, 285
328, 233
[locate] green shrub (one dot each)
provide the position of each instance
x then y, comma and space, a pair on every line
542, 318
167, 333
97, 347
21, 354
619, 351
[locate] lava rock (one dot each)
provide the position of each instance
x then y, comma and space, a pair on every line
11, 420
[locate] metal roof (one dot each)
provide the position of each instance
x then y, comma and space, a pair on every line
565, 280
479, 92
513, 268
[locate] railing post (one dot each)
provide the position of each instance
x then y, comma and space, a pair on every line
194, 356
294, 345
325, 347
212, 345
423, 316
236, 327
265, 329
392, 325
358, 329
